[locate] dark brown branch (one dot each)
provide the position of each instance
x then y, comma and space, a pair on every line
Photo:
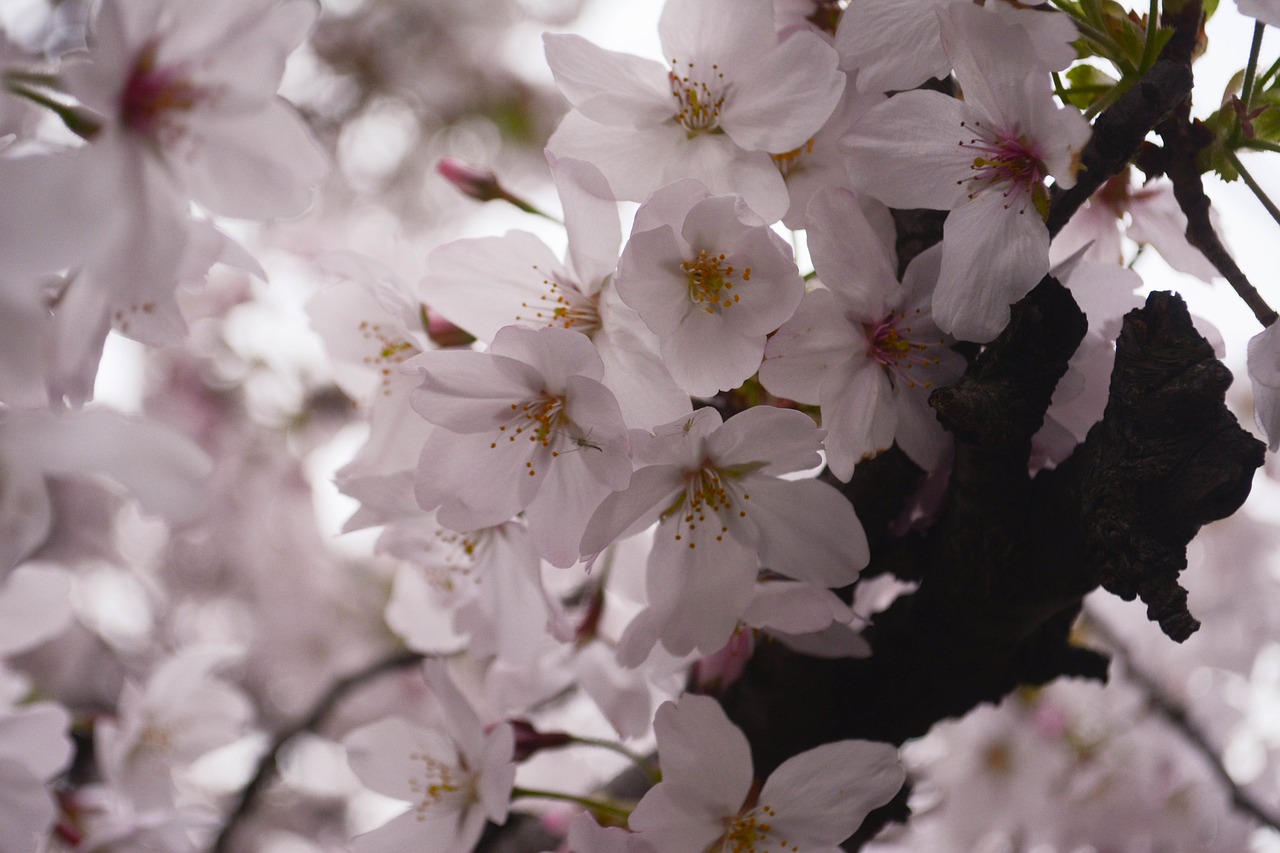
1004, 570
1184, 139
1118, 134
267, 765
1177, 717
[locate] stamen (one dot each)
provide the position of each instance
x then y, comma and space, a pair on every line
710, 280
698, 102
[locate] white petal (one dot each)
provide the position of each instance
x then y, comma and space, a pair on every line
783, 99
606, 86
807, 530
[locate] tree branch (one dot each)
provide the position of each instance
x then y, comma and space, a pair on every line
267, 764
1177, 716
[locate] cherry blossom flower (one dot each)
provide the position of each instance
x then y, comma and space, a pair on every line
711, 280
810, 804
985, 159
864, 347
179, 714
723, 512
525, 426
486, 283
454, 778
1154, 218
733, 95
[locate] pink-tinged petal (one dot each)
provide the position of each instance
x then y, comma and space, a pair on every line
1158, 219
705, 758
784, 98
670, 204
893, 45
471, 392
992, 256
1264, 376
383, 755
971, 38
634, 372
651, 281
851, 257
727, 33
244, 52
486, 283
634, 160
26, 512
793, 608
590, 220
600, 435
556, 354
37, 736
26, 807
258, 164
1060, 133
54, 216
907, 151
35, 606
606, 86
163, 470
858, 413
415, 615
806, 530
629, 511
1266, 11
473, 484
559, 513
705, 358
815, 339
460, 718
919, 433
497, 772
701, 584
772, 441
823, 795
667, 821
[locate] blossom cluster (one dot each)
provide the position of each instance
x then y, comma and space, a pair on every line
598, 478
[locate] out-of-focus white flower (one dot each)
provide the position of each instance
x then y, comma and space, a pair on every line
1264, 376
454, 777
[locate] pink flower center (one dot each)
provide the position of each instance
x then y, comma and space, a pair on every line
698, 103
153, 94
895, 350
1007, 162
711, 280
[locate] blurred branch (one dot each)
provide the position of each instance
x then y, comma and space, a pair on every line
1175, 715
268, 764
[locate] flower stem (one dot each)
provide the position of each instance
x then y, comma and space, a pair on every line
636, 758
1252, 183
78, 121
597, 807
1251, 69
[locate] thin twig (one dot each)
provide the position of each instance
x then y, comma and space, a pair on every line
1253, 184
267, 765
1176, 715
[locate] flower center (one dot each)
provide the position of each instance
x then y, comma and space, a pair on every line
389, 351
750, 833
706, 494
710, 280
437, 781
893, 347
1008, 162
792, 161
563, 306
698, 103
152, 95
